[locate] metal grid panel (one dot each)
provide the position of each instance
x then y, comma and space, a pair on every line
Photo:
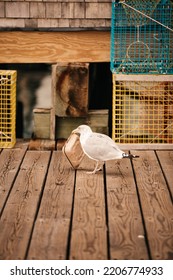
142, 108
7, 108
139, 44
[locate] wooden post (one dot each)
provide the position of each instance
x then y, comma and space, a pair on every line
70, 89
44, 123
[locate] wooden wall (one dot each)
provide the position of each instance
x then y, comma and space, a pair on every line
55, 13
25, 27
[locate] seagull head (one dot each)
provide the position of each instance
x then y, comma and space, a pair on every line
82, 130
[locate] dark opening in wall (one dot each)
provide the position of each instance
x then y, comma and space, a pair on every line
33, 89
100, 88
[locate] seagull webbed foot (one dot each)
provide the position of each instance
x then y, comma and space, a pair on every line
98, 167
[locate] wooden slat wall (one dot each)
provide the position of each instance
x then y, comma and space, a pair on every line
52, 47
36, 14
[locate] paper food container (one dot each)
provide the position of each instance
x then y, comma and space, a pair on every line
73, 150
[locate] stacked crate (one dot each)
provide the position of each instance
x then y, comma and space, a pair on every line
142, 67
7, 108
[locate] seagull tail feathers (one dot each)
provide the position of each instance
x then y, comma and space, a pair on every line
129, 156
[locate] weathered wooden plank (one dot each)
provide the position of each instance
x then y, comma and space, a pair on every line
89, 229
52, 123
96, 119
166, 160
10, 160
52, 47
42, 123
42, 145
52, 113
142, 78
19, 214
156, 205
70, 89
126, 232
147, 146
53, 222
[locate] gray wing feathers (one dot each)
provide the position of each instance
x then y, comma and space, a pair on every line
101, 147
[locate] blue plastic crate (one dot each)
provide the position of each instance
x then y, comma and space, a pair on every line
142, 37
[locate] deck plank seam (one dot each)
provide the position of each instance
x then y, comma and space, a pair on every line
71, 219
164, 175
12, 184
141, 212
106, 211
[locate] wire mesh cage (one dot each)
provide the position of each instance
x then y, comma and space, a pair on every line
142, 37
142, 108
7, 108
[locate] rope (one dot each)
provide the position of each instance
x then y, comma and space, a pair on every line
167, 27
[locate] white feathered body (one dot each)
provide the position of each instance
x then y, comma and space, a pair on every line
100, 147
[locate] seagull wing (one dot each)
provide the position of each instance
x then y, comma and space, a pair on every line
101, 147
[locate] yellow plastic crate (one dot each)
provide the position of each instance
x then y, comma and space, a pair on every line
142, 108
7, 108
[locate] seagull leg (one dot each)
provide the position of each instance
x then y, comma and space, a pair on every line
97, 168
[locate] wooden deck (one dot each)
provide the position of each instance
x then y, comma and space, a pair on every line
50, 211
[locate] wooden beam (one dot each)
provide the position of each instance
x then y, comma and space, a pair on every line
143, 78
146, 146
52, 47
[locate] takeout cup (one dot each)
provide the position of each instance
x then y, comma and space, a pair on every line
73, 150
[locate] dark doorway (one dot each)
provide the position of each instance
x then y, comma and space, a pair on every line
100, 88
29, 80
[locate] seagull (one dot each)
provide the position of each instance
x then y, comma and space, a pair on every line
99, 147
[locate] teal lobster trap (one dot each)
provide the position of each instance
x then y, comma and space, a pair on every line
142, 37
